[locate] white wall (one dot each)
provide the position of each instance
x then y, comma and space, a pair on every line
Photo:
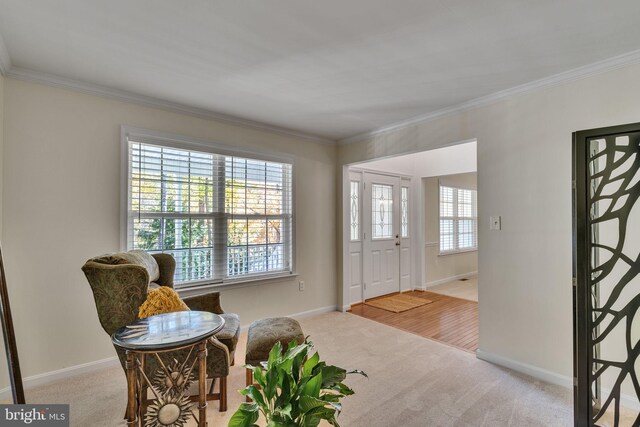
61, 207
1, 144
524, 175
458, 158
443, 268
4, 375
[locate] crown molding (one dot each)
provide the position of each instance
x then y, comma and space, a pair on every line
557, 79
52, 80
148, 101
5, 60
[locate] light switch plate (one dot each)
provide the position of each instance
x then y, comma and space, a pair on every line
495, 223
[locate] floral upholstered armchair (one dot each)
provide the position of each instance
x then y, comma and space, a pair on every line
120, 281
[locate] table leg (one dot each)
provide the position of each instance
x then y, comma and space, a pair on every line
202, 406
131, 389
142, 398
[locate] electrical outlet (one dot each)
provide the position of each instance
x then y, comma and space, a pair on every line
301, 286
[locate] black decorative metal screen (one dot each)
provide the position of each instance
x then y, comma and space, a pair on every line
607, 276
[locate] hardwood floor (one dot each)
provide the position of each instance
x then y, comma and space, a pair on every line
450, 320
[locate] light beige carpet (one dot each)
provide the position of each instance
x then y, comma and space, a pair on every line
398, 303
413, 381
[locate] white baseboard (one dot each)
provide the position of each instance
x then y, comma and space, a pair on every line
71, 371
628, 401
303, 314
314, 312
448, 279
534, 371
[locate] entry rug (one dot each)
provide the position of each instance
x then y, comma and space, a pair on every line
398, 303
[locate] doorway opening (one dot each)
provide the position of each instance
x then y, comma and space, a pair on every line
410, 226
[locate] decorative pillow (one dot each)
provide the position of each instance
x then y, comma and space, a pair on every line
161, 300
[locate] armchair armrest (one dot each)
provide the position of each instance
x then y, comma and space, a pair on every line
207, 302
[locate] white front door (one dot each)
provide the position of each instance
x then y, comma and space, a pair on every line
381, 257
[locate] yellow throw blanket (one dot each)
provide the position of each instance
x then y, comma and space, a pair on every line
161, 300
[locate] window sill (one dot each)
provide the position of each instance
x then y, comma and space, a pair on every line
199, 288
465, 251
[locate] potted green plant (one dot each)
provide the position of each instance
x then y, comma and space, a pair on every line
294, 390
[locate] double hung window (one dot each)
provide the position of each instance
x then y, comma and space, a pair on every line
221, 216
458, 220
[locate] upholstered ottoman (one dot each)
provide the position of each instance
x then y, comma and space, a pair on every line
263, 335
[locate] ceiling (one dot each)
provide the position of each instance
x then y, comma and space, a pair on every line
454, 159
331, 68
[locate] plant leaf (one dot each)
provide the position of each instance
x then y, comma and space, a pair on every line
298, 361
271, 384
313, 417
246, 415
310, 364
359, 372
307, 403
342, 389
278, 421
312, 387
274, 355
285, 392
311, 421
332, 375
255, 394
331, 397
286, 410
258, 376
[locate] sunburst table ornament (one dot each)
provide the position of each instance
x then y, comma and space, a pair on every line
176, 378
168, 410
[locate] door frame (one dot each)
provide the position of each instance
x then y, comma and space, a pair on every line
415, 242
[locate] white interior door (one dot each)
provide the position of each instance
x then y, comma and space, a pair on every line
381, 255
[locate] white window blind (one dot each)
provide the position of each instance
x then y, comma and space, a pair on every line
458, 219
220, 216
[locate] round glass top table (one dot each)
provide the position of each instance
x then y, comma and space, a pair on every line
188, 330
168, 331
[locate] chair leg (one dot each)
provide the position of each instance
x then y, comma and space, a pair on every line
223, 394
249, 376
213, 384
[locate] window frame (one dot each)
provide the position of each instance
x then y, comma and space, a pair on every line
158, 138
456, 220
